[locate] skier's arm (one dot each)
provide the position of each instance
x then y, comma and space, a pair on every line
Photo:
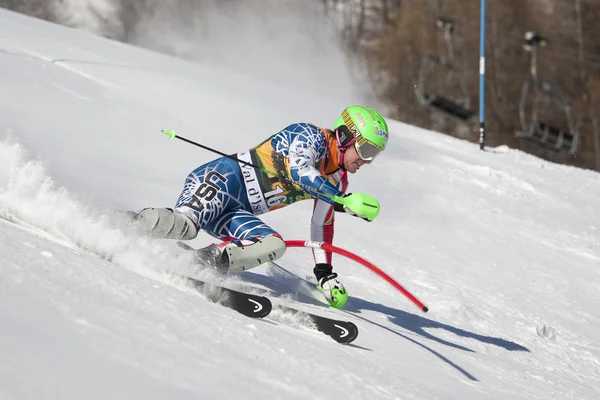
304, 154
322, 225
322, 229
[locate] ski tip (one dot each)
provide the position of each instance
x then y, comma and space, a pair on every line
425, 309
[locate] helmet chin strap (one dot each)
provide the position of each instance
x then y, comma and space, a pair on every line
341, 157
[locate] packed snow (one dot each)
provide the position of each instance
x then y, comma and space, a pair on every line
504, 248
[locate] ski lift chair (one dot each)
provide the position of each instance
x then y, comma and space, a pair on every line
459, 109
548, 99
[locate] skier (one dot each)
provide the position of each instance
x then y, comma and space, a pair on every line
224, 197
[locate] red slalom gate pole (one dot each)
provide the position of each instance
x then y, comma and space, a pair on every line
359, 259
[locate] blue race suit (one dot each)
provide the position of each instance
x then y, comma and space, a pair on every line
224, 197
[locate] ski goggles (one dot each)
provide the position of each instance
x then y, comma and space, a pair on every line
365, 149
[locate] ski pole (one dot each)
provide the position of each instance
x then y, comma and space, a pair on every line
173, 135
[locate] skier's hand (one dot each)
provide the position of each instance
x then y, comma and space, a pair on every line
334, 291
358, 205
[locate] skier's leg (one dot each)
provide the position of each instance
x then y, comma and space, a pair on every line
248, 242
208, 191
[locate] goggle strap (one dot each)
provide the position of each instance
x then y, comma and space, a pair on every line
344, 136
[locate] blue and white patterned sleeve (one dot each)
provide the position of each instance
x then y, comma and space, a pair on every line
307, 148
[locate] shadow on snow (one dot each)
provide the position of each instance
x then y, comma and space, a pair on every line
283, 283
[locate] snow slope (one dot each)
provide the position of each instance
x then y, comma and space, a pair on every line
504, 248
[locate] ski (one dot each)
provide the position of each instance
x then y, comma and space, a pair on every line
250, 305
341, 331
259, 307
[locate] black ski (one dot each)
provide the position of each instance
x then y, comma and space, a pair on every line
341, 331
255, 306
250, 305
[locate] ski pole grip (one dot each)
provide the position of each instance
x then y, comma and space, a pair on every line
170, 134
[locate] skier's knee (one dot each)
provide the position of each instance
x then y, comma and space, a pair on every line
166, 223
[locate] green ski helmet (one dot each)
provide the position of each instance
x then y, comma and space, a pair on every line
363, 127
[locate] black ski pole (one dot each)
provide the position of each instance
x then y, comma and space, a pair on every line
173, 135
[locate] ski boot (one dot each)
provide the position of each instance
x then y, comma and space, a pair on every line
164, 223
214, 257
238, 255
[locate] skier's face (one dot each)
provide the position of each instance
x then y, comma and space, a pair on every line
352, 161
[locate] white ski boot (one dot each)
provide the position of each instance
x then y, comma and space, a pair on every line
239, 255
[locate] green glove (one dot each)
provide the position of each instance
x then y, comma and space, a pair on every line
359, 205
